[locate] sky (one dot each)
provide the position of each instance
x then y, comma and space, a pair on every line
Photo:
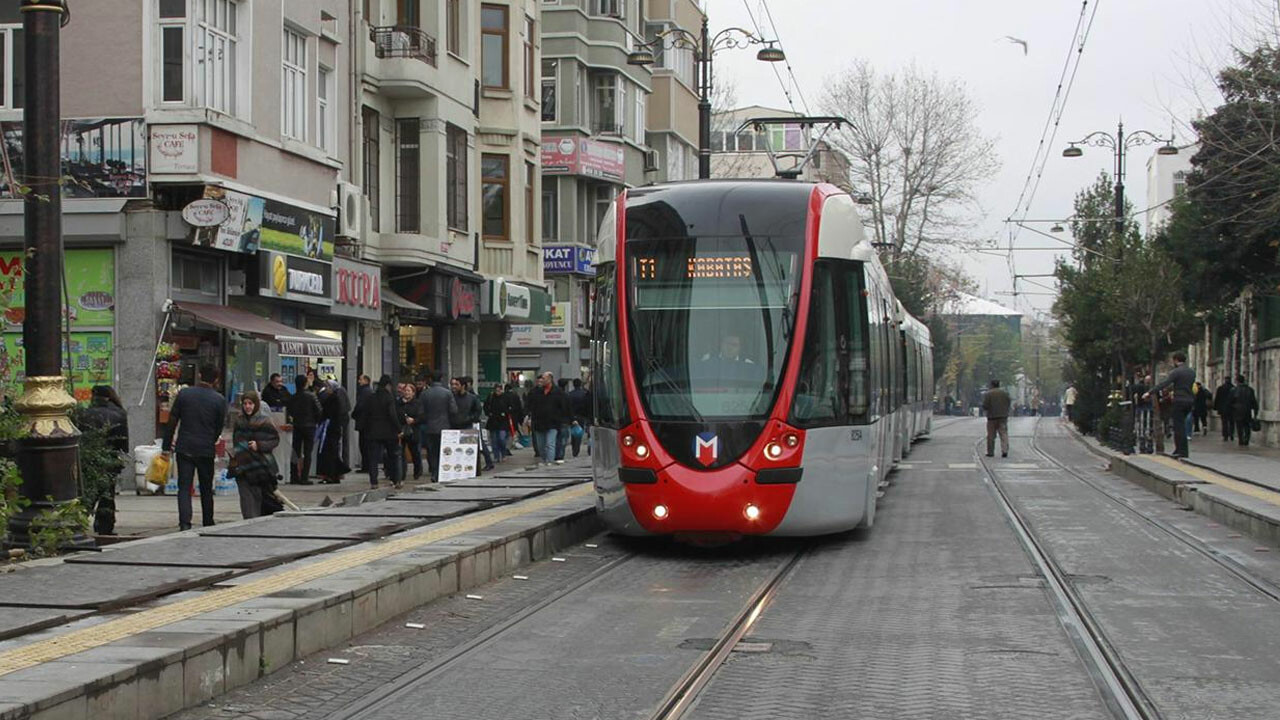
1144, 61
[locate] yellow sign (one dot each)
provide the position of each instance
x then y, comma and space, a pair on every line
279, 275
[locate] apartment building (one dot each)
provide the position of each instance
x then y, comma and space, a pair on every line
744, 152
593, 111
673, 106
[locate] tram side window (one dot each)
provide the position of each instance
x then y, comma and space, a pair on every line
859, 348
819, 399
610, 408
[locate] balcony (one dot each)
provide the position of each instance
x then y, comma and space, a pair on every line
606, 127
403, 41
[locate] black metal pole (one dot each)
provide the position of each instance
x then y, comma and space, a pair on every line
48, 453
704, 104
1119, 214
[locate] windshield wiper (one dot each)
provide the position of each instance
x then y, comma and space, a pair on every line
760, 292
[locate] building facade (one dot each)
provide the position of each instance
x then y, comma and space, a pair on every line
593, 112
739, 152
673, 106
1166, 180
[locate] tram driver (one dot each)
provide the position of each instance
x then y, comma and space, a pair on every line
730, 352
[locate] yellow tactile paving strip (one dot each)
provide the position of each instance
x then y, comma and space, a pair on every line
112, 630
1268, 496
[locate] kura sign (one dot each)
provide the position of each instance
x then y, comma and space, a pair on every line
357, 289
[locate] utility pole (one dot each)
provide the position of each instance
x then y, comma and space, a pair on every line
48, 454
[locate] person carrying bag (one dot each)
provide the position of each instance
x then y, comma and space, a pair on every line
252, 464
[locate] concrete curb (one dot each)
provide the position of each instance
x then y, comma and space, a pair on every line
1232, 509
159, 672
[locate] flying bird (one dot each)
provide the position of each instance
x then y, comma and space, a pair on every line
1017, 41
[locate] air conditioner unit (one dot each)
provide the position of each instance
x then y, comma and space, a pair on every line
350, 210
650, 160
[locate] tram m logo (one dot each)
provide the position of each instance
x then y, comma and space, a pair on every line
706, 448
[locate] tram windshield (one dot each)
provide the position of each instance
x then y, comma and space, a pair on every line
710, 322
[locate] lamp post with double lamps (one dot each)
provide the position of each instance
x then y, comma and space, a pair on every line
704, 45
1119, 145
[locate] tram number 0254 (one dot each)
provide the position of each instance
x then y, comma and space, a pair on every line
855, 434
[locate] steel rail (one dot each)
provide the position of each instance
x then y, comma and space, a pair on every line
1120, 690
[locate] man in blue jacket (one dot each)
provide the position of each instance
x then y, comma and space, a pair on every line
200, 412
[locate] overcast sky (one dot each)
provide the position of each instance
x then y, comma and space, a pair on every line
1139, 64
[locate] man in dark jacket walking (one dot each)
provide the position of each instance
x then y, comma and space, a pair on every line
1244, 406
1200, 413
303, 412
441, 407
996, 404
364, 391
200, 413
500, 416
548, 411
1182, 378
382, 424
580, 404
1222, 404
275, 395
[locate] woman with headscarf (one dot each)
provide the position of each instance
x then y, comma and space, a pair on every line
252, 465
336, 407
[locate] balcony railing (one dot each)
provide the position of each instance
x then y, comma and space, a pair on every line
606, 127
403, 41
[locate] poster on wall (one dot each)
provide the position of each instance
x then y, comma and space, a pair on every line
459, 452
293, 230
241, 230
91, 279
101, 158
87, 361
553, 334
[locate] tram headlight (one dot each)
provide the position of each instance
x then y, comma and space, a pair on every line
773, 451
628, 440
752, 512
660, 512
791, 440
641, 450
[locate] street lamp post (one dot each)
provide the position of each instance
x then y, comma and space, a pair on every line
1119, 146
48, 453
704, 45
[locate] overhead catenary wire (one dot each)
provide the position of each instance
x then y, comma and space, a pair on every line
787, 61
786, 90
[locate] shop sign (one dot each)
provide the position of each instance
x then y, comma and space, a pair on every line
557, 259
554, 334
206, 212
589, 158
311, 348
464, 300
175, 149
91, 284
87, 359
255, 223
242, 229
289, 277
505, 301
357, 289
101, 157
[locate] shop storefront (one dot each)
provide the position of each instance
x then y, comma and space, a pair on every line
563, 344
440, 327
89, 350
357, 303
502, 303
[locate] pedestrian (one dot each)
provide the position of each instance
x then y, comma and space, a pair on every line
364, 391
548, 411
1069, 402
996, 404
412, 407
441, 407
1201, 409
303, 413
1180, 379
580, 405
383, 424
253, 465
201, 413
468, 386
566, 424
275, 395
331, 466
106, 413
499, 420
468, 406
1244, 409
1222, 404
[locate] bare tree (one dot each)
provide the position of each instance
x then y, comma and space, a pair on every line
916, 152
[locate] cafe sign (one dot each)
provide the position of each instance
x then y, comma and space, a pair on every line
206, 212
357, 289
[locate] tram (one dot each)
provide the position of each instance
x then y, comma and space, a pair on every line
751, 369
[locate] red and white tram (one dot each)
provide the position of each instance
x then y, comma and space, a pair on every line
750, 372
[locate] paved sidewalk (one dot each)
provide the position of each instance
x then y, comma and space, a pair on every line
148, 515
1254, 464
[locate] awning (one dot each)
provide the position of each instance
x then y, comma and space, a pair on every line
291, 341
391, 297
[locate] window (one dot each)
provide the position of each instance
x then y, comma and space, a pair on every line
609, 8
529, 60
604, 196
324, 111
453, 26
608, 101
818, 399
13, 65
530, 183
456, 177
550, 208
195, 273
637, 132
293, 93
408, 14
408, 197
550, 88
607, 390
1179, 183
493, 173
675, 159
372, 167
217, 46
493, 46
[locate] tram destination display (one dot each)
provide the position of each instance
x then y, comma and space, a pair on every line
699, 267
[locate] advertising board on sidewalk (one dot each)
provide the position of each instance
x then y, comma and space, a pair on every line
459, 455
